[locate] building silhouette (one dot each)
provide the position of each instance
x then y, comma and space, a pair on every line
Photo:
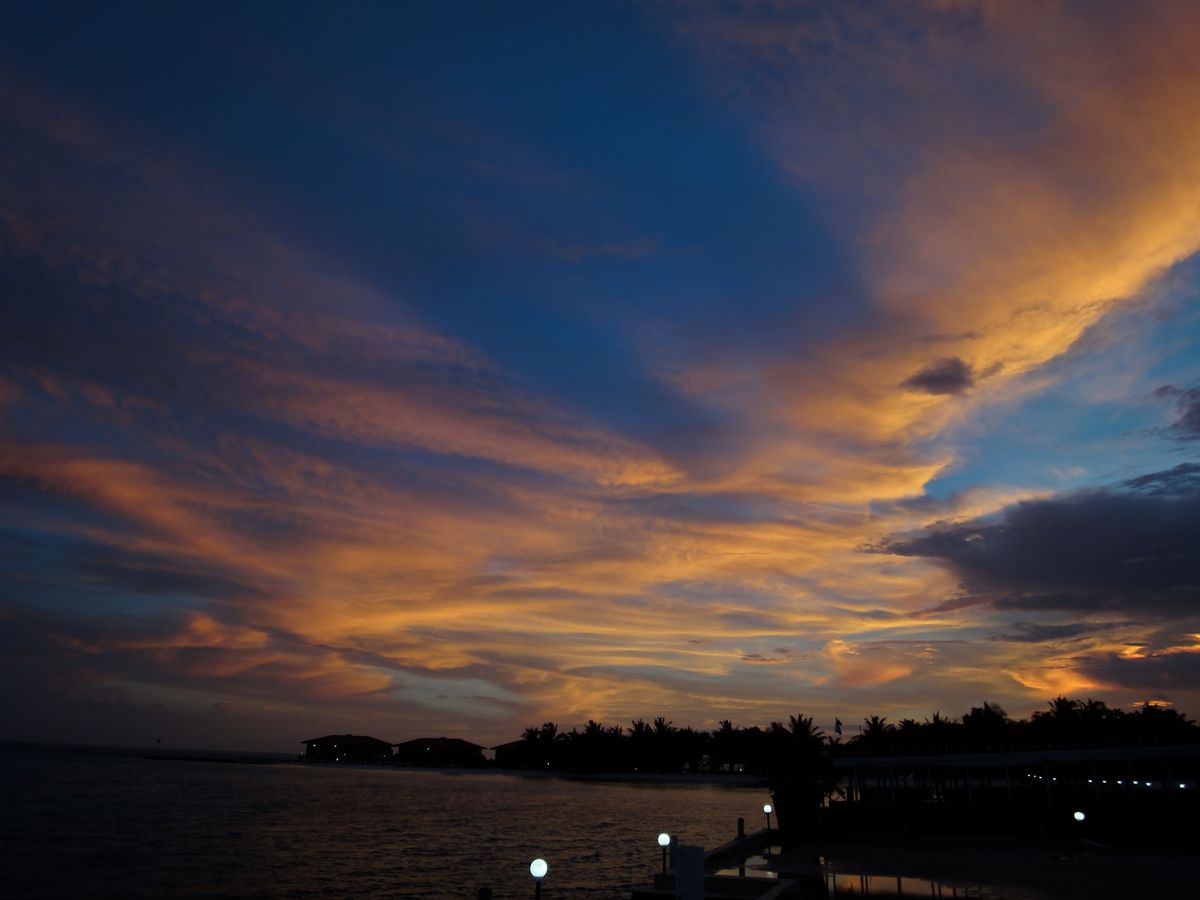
440, 752
356, 748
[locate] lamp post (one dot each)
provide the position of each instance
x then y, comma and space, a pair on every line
664, 841
538, 870
768, 810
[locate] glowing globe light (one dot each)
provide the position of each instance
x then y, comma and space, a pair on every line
664, 839
538, 869
767, 808
1079, 817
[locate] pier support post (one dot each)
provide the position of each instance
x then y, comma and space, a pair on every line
689, 873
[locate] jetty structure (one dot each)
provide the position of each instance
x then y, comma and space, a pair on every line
1122, 795
721, 874
1068, 806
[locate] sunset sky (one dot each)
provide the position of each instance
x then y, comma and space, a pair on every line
441, 369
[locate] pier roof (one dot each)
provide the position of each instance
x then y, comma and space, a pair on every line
1001, 759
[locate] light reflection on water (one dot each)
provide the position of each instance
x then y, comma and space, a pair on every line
855, 884
840, 885
118, 826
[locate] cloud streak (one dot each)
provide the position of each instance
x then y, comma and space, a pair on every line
1005, 229
315, 477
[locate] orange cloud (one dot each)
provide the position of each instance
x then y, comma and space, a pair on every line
856, 670
548, 572
1000, 232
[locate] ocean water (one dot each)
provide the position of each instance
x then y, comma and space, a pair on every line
89, 825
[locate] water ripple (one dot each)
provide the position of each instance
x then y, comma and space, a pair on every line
113, 826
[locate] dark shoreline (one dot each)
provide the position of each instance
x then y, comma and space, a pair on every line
267, 759
706, 778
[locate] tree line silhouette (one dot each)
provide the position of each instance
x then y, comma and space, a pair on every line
661, 747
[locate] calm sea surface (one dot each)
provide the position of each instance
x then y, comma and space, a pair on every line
86, 825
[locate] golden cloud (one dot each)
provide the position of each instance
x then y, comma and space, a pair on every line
559, 577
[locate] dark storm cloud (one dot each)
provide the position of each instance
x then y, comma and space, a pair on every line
946, 376
1037, 633
1133, 547
1162, 672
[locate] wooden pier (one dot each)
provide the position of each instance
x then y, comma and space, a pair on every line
726, 875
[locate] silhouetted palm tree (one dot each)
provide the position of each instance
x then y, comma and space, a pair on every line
876, 735
805, 730
795, 756
985, 726
1063, 709
800, 772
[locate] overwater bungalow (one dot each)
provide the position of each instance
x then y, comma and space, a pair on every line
440, 752
352, 748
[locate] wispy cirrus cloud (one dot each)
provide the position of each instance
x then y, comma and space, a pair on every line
1007, 227
1187, 402
248, 471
